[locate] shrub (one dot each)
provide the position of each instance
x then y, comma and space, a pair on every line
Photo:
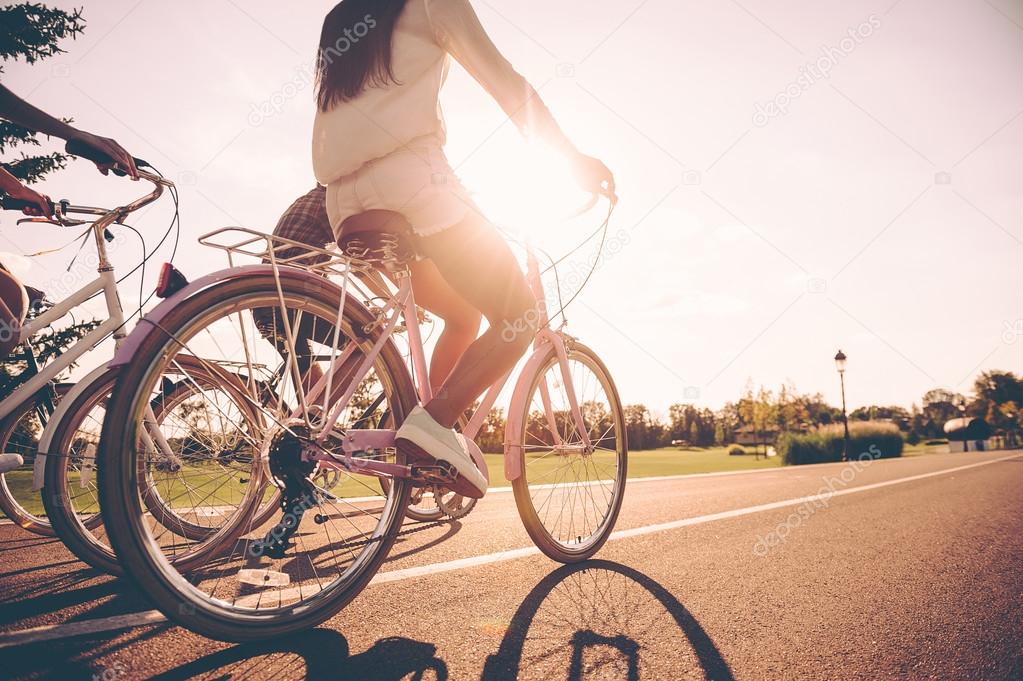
867, 439
736, 450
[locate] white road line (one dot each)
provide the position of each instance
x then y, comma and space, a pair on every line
60, 631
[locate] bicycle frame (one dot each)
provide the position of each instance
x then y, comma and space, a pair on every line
105, 283
402, 306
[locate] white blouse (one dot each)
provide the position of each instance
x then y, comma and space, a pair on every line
383, 119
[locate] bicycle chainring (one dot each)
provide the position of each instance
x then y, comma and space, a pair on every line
452, 505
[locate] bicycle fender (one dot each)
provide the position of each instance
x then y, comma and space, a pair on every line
513, 427
154, 318
46, 439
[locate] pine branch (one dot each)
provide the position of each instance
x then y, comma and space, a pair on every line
33, 31
31, 169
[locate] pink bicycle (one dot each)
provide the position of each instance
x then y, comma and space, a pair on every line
351, 364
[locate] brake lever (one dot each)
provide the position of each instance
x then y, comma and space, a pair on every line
59, 223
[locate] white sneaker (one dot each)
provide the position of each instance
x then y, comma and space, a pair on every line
430, 440
8, 462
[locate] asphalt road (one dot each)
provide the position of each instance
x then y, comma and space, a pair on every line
901, 569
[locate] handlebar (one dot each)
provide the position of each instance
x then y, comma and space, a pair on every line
8, 203
103, 217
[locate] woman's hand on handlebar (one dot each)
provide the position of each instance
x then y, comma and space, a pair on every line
592, 175
111, 148
41, 204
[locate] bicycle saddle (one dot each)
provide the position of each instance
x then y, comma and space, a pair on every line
381, 237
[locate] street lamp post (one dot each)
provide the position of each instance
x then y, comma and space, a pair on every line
962, 414
840, 365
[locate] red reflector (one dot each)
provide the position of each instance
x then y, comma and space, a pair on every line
171, 281
164, 281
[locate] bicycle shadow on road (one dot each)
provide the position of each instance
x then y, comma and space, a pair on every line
317, 654
601, 619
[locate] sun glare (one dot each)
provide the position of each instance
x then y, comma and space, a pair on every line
530, 189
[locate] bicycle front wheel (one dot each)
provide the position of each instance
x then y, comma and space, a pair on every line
331, 533
19, 434
570, 493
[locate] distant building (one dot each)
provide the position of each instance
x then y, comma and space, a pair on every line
967, 433
751, 437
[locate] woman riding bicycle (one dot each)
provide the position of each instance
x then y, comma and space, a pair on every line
378, 145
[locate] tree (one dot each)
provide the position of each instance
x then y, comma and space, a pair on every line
678, 424
729, 421
999, 394
32, 32
939, 406
998, 387
491, 436
895, 414
640, 428
719, 433
791, 412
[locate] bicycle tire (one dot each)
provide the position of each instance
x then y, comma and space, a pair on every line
536, 527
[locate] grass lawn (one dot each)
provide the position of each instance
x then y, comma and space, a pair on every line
642, 464
664, 461
921, 448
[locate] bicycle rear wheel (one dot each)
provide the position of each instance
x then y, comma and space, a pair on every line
321, 548
208, 468
569, 495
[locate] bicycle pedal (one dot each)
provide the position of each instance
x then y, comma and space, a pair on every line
439, 473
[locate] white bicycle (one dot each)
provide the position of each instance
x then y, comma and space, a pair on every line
56, 427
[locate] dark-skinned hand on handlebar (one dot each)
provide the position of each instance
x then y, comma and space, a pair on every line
123, 160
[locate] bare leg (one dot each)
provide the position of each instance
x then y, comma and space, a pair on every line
12, 311
478, 265
461, 320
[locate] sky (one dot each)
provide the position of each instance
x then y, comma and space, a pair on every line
795, 178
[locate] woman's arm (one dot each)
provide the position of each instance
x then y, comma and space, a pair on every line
459, 31
17, 110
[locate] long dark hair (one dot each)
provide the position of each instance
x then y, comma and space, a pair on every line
355, 49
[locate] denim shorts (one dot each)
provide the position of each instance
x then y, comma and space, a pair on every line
415, 180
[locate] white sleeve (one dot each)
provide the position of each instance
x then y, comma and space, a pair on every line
459, 31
